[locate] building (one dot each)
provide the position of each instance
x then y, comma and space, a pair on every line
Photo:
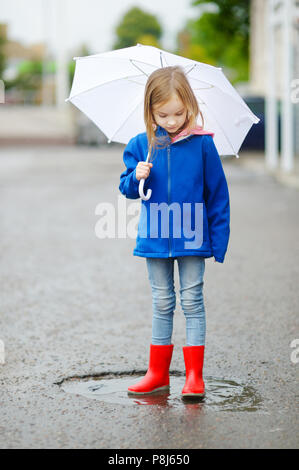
274, 66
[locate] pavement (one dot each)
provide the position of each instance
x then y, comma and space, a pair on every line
255, 161
75, 305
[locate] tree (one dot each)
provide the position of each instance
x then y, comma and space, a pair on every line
193, 51
223, 35
137, 26
3, 41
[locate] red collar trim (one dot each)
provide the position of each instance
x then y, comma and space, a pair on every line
195, 131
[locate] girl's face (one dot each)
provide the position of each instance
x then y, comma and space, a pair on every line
171, 115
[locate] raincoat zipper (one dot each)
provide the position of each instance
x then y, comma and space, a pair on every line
168, 155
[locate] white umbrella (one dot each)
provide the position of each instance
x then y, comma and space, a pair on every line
109, 89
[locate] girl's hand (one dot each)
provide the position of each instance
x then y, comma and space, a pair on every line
143, 170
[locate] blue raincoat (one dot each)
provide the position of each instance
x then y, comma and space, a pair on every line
189, 210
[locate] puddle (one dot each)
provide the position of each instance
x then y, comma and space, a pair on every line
221, 395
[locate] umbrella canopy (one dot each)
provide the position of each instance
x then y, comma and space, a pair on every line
109, 89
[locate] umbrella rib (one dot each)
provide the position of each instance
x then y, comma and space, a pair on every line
203, 81
131, 60
191, 69
161, 54
145, 63
125, 120
228, 94
161, 59
204, 88
102, 84
234, 152
116, 79
137, 83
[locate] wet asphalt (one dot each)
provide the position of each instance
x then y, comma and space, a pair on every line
74, 305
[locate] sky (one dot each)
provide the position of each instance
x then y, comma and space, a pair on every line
91, 22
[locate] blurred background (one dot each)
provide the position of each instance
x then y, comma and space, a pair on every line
73, 305
255, 42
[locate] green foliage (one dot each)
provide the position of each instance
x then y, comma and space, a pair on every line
191, 50
28, 77
232, 16
148, 40
223, 36
137, 26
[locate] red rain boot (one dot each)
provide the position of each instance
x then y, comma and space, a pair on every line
194, 385
157, 376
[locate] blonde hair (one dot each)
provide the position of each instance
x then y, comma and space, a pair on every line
160, 86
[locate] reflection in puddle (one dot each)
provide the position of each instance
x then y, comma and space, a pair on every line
221, 395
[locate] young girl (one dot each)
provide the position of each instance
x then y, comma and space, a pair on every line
186, 177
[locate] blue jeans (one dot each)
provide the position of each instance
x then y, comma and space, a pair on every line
191, 272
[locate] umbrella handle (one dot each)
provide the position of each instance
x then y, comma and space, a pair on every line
148, 194
143, 196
